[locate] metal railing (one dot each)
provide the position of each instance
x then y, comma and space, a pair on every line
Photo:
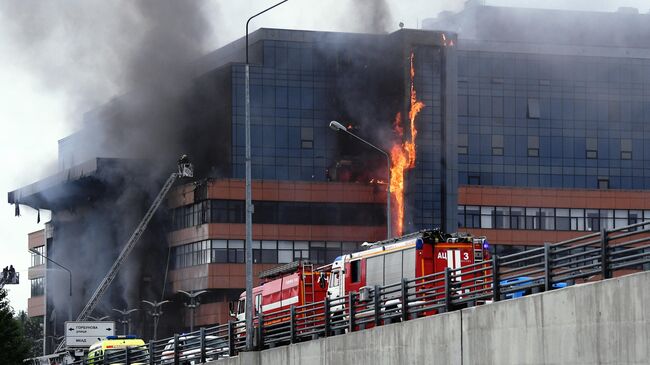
595, 256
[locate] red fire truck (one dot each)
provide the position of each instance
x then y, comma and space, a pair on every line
414, 255
295, 284
381, 263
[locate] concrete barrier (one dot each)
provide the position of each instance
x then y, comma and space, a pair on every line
606, 322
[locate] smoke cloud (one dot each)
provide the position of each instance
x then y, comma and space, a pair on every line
371, 16
143, 47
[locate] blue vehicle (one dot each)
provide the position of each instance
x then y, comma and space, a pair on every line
533, 286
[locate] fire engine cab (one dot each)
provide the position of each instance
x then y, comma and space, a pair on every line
410, 256
295, 283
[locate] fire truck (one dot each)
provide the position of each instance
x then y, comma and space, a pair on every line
414, 255
381, 263
296, 283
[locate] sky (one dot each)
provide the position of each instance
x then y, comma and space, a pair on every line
37, 109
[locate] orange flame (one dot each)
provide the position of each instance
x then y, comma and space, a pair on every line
402, 155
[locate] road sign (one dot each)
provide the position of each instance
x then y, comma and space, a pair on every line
84, 334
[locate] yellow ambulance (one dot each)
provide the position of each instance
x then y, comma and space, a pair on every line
112, 348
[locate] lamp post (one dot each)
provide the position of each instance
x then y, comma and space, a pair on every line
194, 303
249, 203
155, 312
126, 319
57, 264
340, 127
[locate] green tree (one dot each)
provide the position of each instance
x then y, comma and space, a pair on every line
32, 328
13, 347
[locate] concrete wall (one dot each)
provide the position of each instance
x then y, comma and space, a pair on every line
606, 322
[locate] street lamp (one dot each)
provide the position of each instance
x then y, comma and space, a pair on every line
194, 302
56, 263
336, 126
126, 319
249, 197
155, 312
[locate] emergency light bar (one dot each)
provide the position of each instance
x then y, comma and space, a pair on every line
121, 337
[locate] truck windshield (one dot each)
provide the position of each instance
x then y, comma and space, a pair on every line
241, 306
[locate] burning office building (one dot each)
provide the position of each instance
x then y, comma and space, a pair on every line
317, 193
499, 131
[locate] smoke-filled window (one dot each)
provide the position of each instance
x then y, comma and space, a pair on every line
273, 212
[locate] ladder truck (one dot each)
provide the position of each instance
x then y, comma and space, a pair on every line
185, 169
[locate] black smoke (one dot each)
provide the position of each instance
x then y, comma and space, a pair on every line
94, 51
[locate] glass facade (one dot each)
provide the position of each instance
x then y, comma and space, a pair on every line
548, 219
425, 181
273, 212
290, 113
264, 252
553, 121
299, 87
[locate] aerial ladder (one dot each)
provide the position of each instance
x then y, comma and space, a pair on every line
185, 169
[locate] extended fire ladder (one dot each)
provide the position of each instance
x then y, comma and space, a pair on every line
184, 170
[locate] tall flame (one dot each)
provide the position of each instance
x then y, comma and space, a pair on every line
402, 155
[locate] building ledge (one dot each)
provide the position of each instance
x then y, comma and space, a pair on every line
78, 182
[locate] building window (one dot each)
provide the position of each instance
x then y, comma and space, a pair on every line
461, 216
626, 149
38, 287
38, 259
532, 218
533, 108
562, 219
533, 146
274, 212
517, 218
473, 216
474, 180
502, 217
603, 183
592, 148
547, 219
307, 137
462, 144
497, 145
271, 252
